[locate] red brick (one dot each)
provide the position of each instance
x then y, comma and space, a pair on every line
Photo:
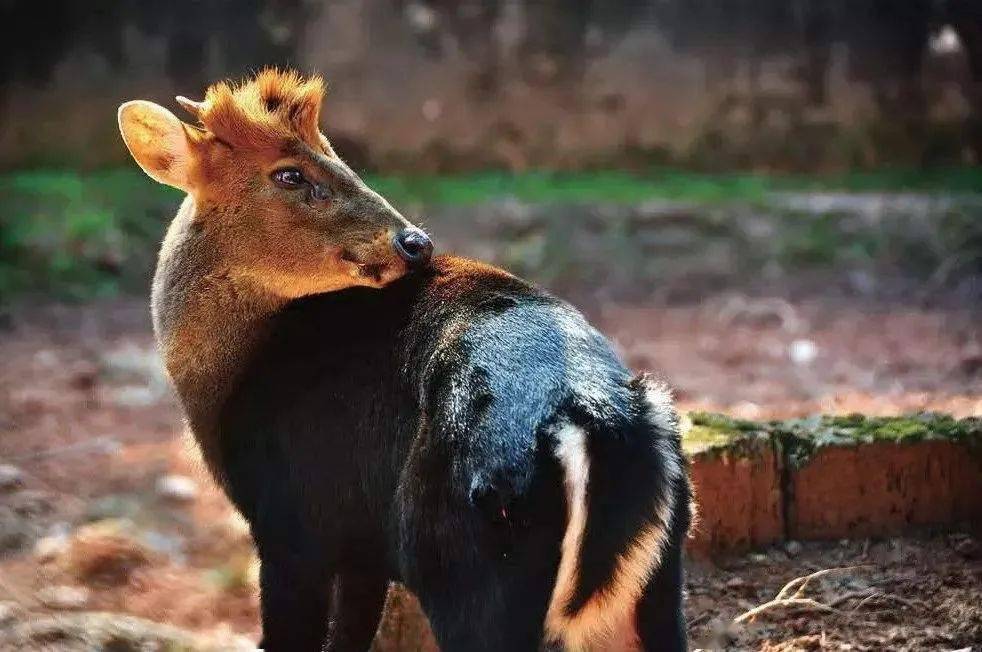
738, 497
884, 488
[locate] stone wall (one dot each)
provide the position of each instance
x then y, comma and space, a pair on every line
442, 86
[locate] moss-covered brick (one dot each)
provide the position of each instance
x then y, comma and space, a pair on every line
801, 438
712, 434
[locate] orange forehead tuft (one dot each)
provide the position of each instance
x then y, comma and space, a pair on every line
265, 110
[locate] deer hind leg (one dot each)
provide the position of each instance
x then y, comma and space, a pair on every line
295, 601
296, 571
357, 601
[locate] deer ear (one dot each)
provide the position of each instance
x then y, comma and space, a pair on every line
160, 143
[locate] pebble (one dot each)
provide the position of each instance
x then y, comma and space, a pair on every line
803, 352
11, 477
50, 548
177, 488
966, 546
793, 548
31, 503
63, 597
9, 612
138, 374
134, 363
135, 396
168, 544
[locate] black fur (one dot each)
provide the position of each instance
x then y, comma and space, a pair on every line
407, 434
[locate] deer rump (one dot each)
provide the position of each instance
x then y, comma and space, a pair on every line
540, 493
472, 437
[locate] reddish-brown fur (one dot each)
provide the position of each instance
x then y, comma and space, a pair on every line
365, 434
264, 111
240, 247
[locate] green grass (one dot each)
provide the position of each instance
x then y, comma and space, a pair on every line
600, 186
627, 187
79, 234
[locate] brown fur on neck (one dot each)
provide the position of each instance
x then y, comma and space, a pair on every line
246, 242
206, 319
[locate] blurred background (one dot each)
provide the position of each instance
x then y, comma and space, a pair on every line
775, 204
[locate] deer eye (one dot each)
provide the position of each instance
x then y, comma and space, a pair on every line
289, 178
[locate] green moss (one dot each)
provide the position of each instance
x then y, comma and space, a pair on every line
900, 429
799, 439
718, 421
699, 439
862, 428
709, 433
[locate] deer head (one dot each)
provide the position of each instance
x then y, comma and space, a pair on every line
279, 207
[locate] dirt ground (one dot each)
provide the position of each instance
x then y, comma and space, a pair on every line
108, 509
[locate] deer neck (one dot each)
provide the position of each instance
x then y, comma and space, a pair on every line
207, 322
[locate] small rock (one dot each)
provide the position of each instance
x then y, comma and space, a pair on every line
46, 358
793, 548
11, 478
432, 109
735, 582
966, 546
862, 282
422, 18
113, 631
177, 488
138, 375
135, 364
50, 548
166, 544
31, 503
16, 532
135, 396
63, 597
803, 352
106, 446
759, 558
9, 613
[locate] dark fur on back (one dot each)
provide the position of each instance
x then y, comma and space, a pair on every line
409, 433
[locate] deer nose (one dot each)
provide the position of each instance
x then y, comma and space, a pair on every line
413, 246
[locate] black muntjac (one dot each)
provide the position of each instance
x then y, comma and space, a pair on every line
379, 414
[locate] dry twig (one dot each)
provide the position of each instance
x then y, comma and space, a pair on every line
799, 584
791, 595
863, 596
784, 603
